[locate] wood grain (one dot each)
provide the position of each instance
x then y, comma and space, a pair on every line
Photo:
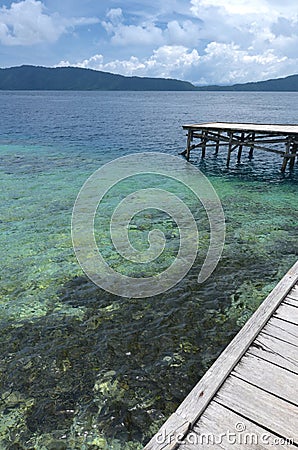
254, 404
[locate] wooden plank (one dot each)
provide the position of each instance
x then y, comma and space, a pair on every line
280, 329
268, 128
268, 376
293, 293
261, 407
291, 301
288, 313
226, 430
269, 348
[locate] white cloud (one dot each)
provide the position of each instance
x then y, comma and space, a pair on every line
185, 33
234, 7
147, 34
227, 63
124, 35
27, 23
213, 42
166, 61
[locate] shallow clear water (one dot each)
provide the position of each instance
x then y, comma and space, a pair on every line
82, 368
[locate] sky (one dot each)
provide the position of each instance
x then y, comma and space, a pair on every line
201, 41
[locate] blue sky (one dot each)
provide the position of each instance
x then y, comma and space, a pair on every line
202, 41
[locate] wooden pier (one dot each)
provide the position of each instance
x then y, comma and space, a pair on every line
248, 399
236, 136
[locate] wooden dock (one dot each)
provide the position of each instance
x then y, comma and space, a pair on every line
236, 136
248, 399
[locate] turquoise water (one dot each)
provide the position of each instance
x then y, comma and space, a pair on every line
82, 368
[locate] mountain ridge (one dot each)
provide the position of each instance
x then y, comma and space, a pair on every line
285, 84
28, 77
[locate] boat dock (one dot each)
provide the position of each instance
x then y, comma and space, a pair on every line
248, 398
279, 139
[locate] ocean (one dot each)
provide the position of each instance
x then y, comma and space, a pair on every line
81, 367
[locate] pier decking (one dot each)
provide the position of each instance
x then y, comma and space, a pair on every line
235, 136
248, 399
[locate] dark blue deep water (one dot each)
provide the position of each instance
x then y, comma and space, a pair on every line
84, 369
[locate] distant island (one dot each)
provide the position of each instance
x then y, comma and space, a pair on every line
287, 84
77, 79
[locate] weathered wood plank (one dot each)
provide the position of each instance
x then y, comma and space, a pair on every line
288, 313
262, 128
268, 376
294, 292
280, 329
268, 348
225, 429
257, 405
291, 301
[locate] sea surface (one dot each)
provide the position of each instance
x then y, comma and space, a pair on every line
81, 368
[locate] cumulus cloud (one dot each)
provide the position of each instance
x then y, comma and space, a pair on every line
122, 34
185, 32
214, 42
239, 7
27, 23
166, 61
227, 63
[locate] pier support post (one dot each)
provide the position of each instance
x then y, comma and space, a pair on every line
204, 141
229, 149
240, 149
251, 150
293, 155
217, 143
188, 146
286, 157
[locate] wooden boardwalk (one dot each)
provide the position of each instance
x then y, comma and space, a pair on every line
248, 399
236, 136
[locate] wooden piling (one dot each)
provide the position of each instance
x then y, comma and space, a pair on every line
204, 142
240, 148
286, 156
188, 145
217, 143
229, 149
294, 151
251, 150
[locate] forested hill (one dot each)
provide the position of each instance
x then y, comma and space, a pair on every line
74, 78
288, 84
